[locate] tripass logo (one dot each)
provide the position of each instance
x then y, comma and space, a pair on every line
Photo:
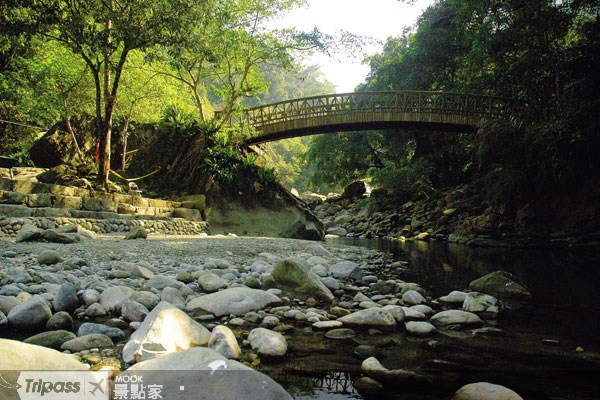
60, 385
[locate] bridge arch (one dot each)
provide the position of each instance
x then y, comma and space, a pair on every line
374, 110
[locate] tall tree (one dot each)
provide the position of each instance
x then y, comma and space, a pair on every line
104, 33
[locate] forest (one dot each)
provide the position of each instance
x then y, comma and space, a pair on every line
132, 63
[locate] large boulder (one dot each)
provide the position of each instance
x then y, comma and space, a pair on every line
236, 301
262, 210
18, 357
354, 190
218, 377
56, 147
293, 275
166, 329
501, 285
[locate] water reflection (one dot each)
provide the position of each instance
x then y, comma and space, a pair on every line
334, 385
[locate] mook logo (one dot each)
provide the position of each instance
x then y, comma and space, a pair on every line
63, 385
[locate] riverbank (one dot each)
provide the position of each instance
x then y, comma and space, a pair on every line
458, 215
498, 348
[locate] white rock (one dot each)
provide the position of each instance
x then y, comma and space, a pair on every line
236, 301
419, 328
480, 303
205, 368
454, 297
18, 356
455, 317
396, 311
371, 317
210, 282
485, 391
223, 340
412, 297
167, 328
267, 342
113, 298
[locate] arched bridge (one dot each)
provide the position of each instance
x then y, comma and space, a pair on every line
374, 110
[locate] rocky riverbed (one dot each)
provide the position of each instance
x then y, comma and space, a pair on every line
268, 306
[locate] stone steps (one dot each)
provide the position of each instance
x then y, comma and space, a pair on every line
43, 205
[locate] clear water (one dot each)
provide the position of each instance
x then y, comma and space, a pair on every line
565, 307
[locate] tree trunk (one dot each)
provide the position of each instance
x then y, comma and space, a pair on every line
124, 143
105, 139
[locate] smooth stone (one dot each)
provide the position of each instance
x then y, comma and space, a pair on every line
3, 321
455, 317
51, 339
87, 342
455, 296
60, 321
207, 369
267, 342
293, 275
422, 308
7, 303
89, 328
419, 328
211, 283
159, 282
31, 315
320, 271
148, 299
340, 333
168, 327
485, 391
133, 311
327, 324
411, 314
49, 257
90, 296
501, 285
236, 301
317, 249
367, 384
138, 271
365, 351
172, 296
393, 377
29, 233
223, 340
113, 298
370, 317
66, 299
137, 232
95, 310
412, 297
345, 270
19, 356
480, 303
396, 311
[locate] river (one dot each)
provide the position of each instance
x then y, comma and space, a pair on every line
550, 350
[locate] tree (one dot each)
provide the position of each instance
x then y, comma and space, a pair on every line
104, 33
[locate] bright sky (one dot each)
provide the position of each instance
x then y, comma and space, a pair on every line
378, 19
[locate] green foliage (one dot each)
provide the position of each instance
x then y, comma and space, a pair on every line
542, 53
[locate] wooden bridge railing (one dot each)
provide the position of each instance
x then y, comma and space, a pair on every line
407, 106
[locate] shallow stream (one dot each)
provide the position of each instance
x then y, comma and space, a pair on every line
550, 349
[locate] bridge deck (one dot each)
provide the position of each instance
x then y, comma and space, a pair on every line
374, 110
